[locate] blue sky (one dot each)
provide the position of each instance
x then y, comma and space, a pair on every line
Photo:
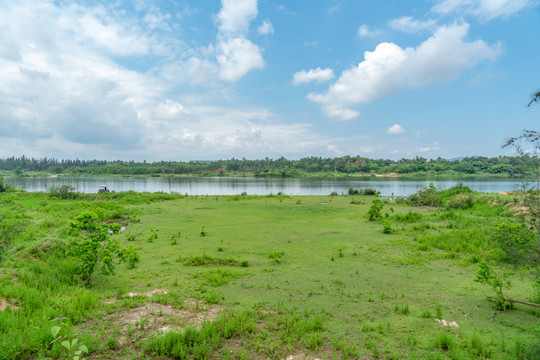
182, 80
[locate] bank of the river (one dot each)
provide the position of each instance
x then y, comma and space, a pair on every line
298, 174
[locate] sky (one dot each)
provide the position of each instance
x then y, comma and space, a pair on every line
208, 79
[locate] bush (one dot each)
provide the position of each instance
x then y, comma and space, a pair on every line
517, 243
63, 192
460, 202
375, 210
387, 228
366, 191
448, 195
5, 187
371, 191
428, 196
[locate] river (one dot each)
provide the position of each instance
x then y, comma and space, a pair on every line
256, 186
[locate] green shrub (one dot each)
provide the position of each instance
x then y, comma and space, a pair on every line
460, 202
5, 187
428, 196
366, 191
375, 210
487, 275
387, 228
516, 241
63, 192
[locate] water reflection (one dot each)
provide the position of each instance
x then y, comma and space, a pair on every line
255, 186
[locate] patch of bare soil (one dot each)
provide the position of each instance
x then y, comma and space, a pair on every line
517, 208
300, 356
7, 304
130, 325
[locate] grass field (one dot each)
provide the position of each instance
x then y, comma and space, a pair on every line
257, 277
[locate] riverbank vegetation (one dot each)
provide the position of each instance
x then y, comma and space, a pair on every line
312, 166
258, 277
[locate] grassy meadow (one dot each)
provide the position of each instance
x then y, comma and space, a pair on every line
261, 277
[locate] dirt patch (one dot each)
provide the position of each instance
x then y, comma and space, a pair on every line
130, 325
6, 303
387, 175
300, 356
132, 294
518, 208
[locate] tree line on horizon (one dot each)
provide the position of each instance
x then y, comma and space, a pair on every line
282, 167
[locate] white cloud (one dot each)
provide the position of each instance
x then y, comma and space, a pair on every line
389, 69
428, 149
235, 16
333, 9
170, 109
409, 25
483, 9
101, 29
266, 27
364, 31
236, 57
396, 129
314, 75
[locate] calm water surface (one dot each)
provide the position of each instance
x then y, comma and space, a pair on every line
255, 186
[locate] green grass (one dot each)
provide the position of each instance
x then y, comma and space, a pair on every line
289, 275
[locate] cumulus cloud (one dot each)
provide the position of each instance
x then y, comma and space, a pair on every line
395, 129
483, 9
266, 27
236, 55
409, 25
314, 75
389, 69
235, 16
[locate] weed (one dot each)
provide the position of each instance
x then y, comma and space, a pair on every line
205, 260
276, 256
402, 309
438, 311
203, 233
444, 340
211, 297
153, 235
74, 349
387, 228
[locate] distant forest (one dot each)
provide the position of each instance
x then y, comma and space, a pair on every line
503, 165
